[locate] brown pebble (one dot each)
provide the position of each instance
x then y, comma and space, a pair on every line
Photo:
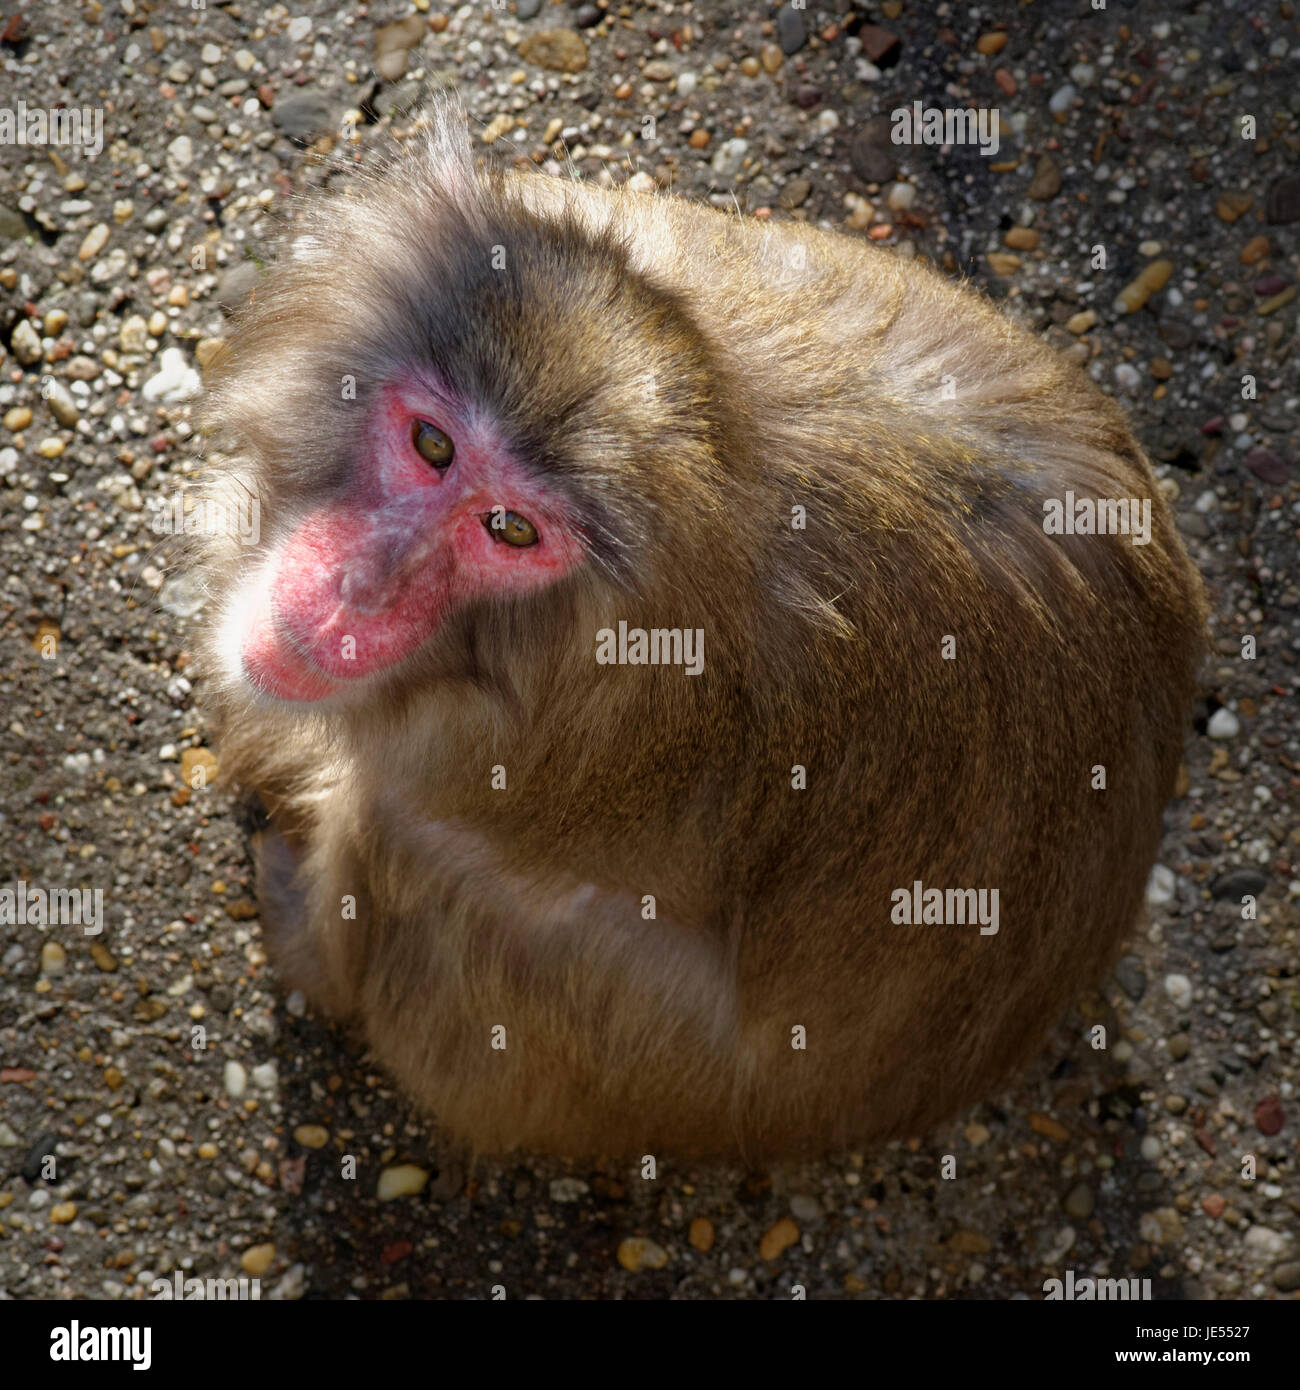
63, 1212
558, 50
1021, 238
1046, 182
199, 767
1267, 306
112, 1078
991, 43
1048, 1127
1006, 82
1268, 1116
1161, 368
1152, 277
637, 1253
699, 139
771, 57
1254, 250
1000, 263
877, 41
103, 958
779, 1238
256, 1260
701, 1233
1231, 206
750, 67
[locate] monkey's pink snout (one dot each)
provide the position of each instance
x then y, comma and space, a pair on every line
272, 664
337, 607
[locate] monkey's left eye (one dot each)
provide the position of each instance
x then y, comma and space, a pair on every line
512, 528
432, 445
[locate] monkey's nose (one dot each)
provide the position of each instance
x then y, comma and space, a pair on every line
367, 592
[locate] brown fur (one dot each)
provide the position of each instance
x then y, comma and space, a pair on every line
787, 366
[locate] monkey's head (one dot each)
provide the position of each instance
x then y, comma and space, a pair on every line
454, 416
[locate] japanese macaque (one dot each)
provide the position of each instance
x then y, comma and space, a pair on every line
700, 696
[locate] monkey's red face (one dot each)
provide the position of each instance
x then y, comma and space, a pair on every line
437, 512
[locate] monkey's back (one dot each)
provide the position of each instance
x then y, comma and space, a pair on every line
977, 703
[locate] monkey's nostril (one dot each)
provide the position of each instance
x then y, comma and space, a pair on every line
365, 593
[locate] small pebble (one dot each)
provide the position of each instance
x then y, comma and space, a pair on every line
701, 1233
402, 1180
778, 1238
1223, 724
1179, 989
638, 1252
1079, 1202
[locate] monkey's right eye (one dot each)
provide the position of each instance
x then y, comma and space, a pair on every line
432, 445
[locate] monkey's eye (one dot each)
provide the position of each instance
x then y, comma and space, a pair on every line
432, 445
512, 528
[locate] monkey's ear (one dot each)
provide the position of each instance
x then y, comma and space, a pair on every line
446, 150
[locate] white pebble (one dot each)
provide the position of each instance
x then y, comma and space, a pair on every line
568, 1189
1062, 100
180, 153
1127, 377
1160, 886
299, 28
177, 381
1265, 1241
1223, 724
730, 158
235, 1079
1179, 989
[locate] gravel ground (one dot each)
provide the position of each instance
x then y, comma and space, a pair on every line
216, 1151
